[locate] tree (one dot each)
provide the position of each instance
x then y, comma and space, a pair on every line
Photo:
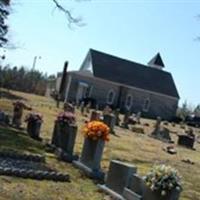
185, 110
70, 18
4, 5
197, 111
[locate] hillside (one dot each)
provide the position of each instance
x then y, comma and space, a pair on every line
140, 150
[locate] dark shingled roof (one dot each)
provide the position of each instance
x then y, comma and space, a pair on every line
130, 73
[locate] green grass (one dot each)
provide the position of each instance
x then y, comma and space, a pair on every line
140, 150
13, 140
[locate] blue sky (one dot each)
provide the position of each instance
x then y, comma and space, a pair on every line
130, 29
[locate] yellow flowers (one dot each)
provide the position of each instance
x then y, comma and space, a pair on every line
96, 130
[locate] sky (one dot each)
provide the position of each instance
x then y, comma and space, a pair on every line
132, 29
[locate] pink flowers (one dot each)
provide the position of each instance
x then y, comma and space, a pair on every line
66, 117
33, 117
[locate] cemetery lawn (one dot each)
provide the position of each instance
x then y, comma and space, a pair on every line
127, 146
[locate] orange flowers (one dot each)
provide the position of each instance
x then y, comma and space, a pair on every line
96, 130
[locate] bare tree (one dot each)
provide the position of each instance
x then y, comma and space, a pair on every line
4, 5
71, 19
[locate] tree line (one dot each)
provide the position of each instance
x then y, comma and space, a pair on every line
187, 109
23, 79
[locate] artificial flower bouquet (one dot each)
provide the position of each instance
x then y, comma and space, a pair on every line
66, 117
34, 117
96, 130
163, 179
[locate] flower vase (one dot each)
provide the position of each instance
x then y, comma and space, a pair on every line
33, 128
148, 194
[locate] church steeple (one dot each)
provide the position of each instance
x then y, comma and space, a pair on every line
156, 62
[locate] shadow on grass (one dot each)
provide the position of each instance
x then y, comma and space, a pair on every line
16, 141
9, 95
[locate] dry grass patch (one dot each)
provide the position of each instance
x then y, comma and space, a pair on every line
127, 146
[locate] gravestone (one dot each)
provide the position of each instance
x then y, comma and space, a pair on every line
82, 107
67, 137
90, 160
2, 116
136, 184
109, 120
158, 124
88, 107
64, 137
18, 108
33, 129
125, 122
118, 178
95, 116
134, 191
138, 116
160, 132
137, 190
186, 141
117, 119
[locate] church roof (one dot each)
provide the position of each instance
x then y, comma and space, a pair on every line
130, 73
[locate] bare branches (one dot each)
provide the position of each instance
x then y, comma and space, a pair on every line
71, 19
3, 26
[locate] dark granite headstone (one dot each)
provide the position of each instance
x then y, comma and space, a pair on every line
160, 132
2, 116
119, 175
67, 137
186, 140
64, 137
118, 178
82, 108
136, 184
33, 129
117, 119
138, 116
125, 122
109, 120
137, 190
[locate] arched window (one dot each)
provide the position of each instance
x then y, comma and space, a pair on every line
110, 96
146, 105
129, 101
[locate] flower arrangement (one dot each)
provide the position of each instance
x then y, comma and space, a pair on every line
20, 105
96, 130
66, 117
163, 178
33, 117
